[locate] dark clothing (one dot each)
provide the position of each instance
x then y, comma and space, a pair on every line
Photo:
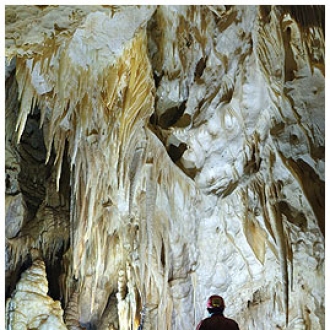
217, 322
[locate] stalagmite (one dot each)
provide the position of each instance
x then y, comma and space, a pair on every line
156, 155
30, 307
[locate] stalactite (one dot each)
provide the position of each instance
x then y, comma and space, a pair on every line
134, 171
277, 227
164, 121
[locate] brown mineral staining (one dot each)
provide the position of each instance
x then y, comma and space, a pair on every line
156, 155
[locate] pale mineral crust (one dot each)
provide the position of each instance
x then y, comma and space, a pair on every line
156, 155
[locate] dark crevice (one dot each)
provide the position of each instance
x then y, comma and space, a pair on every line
290, 63
176, 152
110, 312
312, 185
158, 78
171, 116
34, 173
318, 152
174, 117
307, 16
89, 326
294, 216
64, 186
7, 181
228, 190
153, 119
162, 255
200, 67
252, 165
265, 13
53, 271
277, 129
184, 121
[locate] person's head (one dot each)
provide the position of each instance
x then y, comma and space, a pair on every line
215, 304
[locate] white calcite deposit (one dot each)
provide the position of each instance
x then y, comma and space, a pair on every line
156, 155
30, 307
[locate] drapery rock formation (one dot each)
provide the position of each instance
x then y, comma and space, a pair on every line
156, 155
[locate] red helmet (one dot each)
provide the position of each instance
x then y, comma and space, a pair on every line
215, 301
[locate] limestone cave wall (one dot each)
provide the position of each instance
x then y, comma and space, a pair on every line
156, 155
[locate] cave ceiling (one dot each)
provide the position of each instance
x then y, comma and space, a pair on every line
156, 155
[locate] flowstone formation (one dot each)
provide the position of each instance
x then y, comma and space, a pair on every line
156, 155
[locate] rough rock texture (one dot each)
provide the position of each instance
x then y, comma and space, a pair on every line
30, 307
156, 155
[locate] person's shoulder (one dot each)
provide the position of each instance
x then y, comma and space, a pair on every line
232, 322
200, 324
